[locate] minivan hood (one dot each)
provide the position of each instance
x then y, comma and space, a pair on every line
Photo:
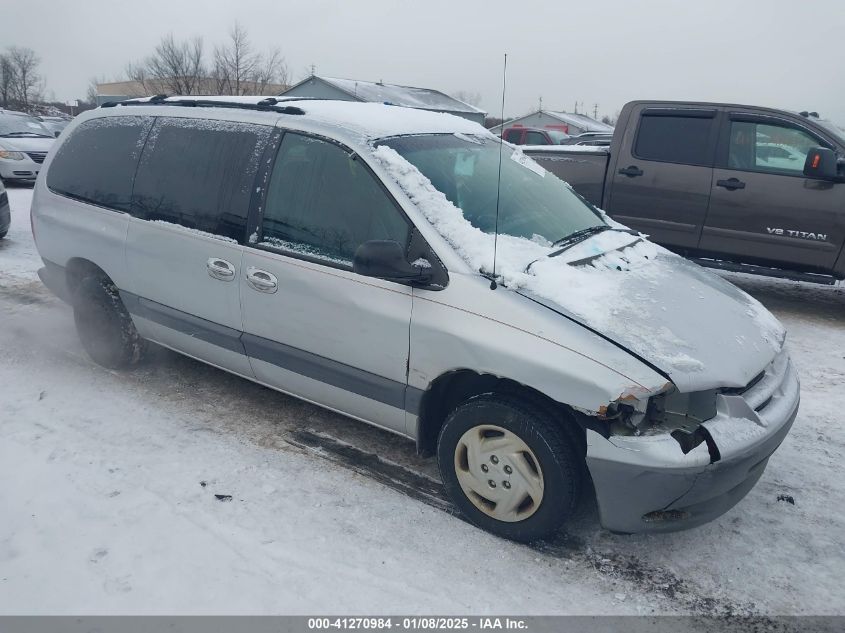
27, 144
692, 325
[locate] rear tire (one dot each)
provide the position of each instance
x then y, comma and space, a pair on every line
511, 467
104, 326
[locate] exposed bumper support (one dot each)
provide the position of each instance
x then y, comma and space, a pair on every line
646, 483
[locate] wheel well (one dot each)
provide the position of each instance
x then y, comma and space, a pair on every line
77, 269
451, 389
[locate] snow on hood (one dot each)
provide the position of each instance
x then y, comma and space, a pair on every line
697, 328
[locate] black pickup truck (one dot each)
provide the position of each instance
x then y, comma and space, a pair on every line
741, 188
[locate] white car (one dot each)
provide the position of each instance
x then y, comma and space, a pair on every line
24, 143
780, 156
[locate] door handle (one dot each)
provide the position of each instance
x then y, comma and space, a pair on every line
731, 184
261, 280
220, 269
632, 172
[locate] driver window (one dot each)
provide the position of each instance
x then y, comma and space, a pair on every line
323, 203
768, 148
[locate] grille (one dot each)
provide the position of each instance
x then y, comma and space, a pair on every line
38, 157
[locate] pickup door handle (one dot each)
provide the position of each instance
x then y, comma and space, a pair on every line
632, 172
731, 184
220, 269
261, 280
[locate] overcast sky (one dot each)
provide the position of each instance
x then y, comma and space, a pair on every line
776, 53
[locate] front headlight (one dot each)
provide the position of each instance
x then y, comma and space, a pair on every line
10, 155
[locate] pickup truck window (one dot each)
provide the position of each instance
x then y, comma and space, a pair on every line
533, 203
675, 139
513, 136
535, 138
768, 148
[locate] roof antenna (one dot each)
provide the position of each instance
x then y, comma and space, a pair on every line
493, 284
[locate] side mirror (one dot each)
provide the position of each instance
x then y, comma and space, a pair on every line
821, 163
385, 259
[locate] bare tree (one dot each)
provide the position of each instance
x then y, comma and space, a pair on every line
26, 85
7, 79
175, 67
239, 70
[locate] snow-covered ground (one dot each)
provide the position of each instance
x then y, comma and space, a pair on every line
108, 484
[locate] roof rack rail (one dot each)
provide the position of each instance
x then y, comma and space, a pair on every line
265, 105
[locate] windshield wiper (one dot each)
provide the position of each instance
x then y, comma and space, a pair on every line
577, 237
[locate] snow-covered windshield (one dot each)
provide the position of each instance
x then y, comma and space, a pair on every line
18, 125
533, 203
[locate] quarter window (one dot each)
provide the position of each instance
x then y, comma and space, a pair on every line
323, 203
97, 163
675, 139
199, 174
763, 147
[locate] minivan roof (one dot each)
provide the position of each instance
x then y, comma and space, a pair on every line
367, 120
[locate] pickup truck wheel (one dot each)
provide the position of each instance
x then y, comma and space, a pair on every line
510, 467
104, 325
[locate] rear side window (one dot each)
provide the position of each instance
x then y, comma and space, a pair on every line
97, 163
675, 139
199, 174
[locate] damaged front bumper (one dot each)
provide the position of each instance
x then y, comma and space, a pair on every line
647, 484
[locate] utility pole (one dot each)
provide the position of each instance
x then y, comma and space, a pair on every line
540, 109
596, 111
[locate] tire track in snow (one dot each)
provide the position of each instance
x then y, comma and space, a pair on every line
627, 568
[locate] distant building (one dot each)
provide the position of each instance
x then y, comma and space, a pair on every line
123, 90
565, 122
377, 92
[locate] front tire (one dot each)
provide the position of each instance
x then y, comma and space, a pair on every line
104, 326
510, 466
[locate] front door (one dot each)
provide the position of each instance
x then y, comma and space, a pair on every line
312, 326
762, 208
661, 178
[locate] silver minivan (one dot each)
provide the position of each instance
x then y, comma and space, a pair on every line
410, 270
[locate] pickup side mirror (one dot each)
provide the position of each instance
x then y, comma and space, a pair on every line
822, 163
385, 259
